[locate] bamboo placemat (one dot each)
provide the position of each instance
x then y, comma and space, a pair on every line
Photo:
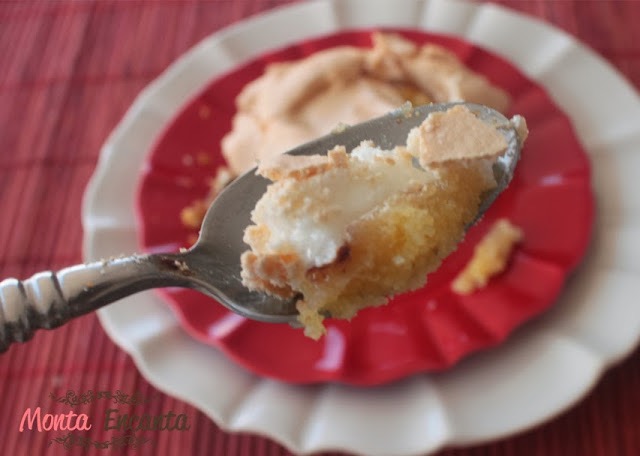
68, 71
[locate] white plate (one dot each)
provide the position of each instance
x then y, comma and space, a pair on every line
542, 370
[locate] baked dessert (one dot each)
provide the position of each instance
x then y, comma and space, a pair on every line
490, 257
344, 231
295, 102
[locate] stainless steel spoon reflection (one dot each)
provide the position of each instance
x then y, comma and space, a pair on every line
212, 266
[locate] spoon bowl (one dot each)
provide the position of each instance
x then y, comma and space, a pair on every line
212, 266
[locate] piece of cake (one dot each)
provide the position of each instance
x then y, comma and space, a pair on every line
490, 257
345, 231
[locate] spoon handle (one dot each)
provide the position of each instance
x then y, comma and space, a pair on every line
50, 299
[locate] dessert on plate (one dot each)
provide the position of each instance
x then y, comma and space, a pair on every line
297, 101
347, 230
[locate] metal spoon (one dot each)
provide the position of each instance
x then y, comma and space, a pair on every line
212, 266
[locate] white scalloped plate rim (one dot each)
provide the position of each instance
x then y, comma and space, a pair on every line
543, 369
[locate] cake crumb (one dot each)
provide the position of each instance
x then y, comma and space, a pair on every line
204, 112
181, 265
184, 182
203, 158
490, 257
192, 216
187, 160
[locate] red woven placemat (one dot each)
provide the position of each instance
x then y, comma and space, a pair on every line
68, 71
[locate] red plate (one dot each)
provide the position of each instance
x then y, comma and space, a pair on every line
427, 330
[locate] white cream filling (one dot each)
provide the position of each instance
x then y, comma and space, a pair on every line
310, 217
